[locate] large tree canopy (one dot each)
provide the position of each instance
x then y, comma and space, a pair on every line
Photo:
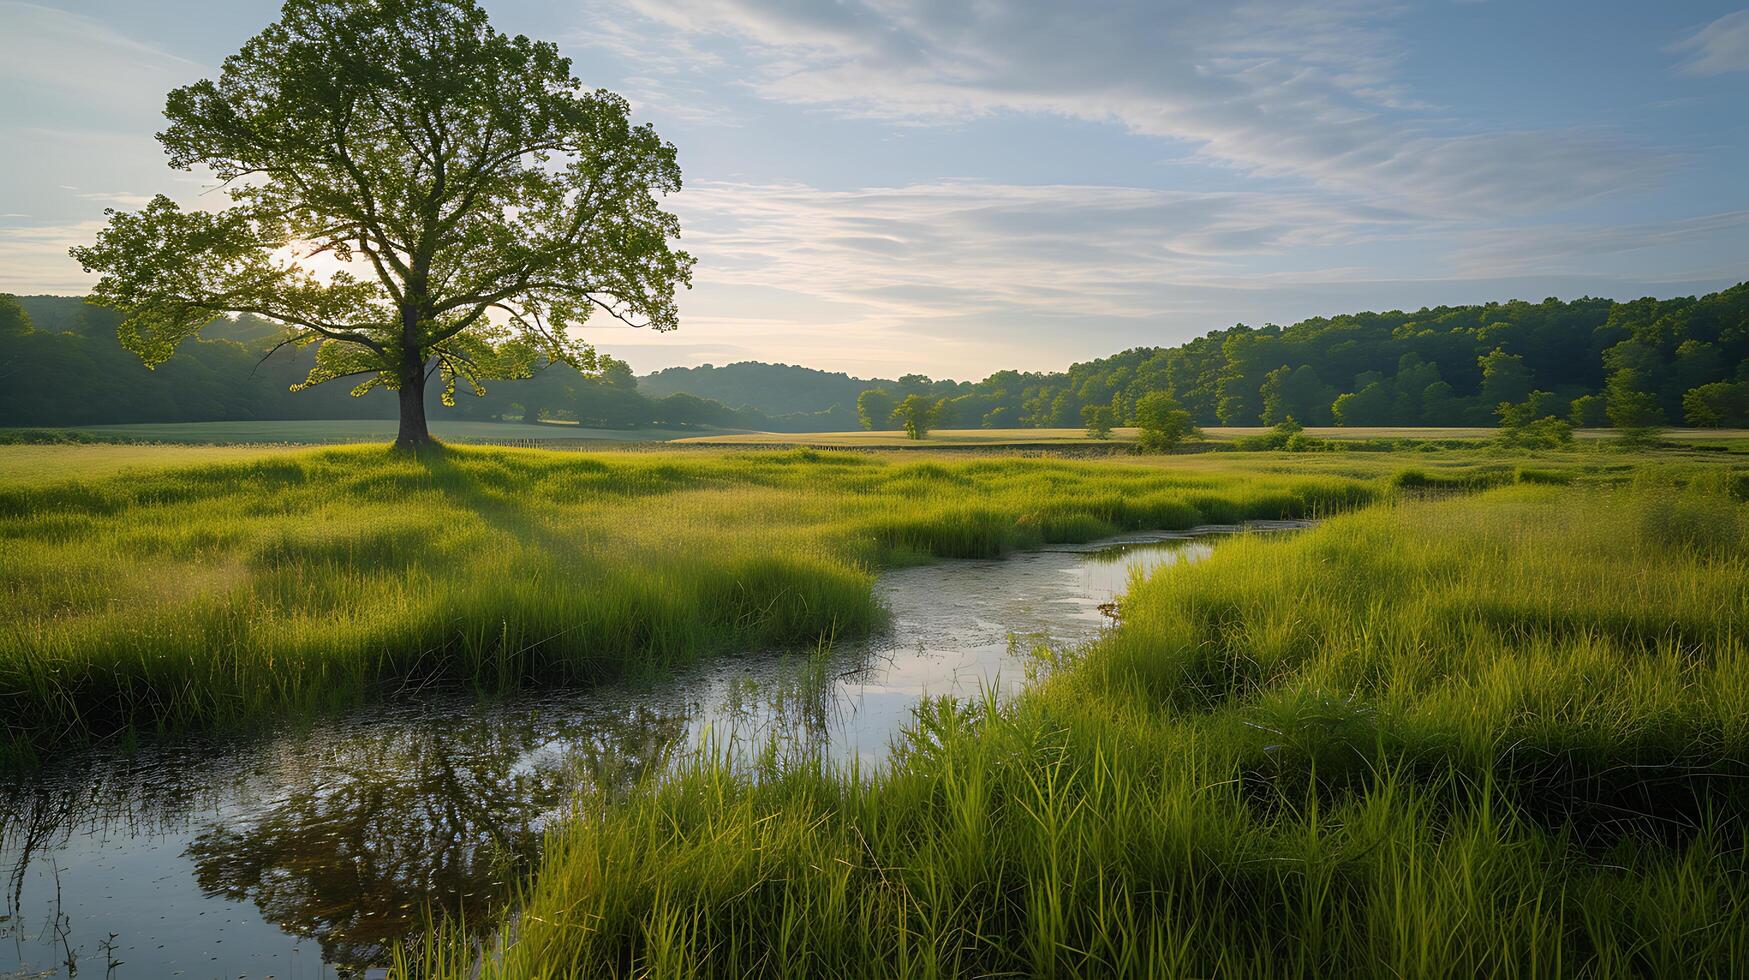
476, 202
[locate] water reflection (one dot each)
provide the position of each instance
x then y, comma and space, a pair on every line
312, 853
341, 836
368, 836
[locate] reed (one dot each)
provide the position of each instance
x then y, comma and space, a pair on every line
235, 592
1501, 734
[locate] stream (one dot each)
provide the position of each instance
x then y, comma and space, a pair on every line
312, 852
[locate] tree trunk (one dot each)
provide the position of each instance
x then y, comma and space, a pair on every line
413, 435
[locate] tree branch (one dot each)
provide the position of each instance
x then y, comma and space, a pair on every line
273, 351
326, 330
366, 196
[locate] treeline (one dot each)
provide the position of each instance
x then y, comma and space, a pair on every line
776, 390
60, 365
611, 399
1590, 362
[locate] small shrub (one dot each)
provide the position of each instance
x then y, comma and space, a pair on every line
1164, 425
1099, 420
1553, 477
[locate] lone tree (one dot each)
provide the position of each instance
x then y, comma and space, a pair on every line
1633, 410
874, 408
1164, 425
917, 414
475, 202
1099, 420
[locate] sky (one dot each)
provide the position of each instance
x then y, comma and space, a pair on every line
954, 188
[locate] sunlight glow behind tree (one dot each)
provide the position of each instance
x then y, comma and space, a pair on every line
495, 203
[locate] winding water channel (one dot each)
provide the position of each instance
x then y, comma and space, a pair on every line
309, 854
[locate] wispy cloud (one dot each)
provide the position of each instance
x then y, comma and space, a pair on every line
125, 199
1580, 248
82, 101
44, 48
1720, 47
33, 258
1321, 166
942, 250
1273, 87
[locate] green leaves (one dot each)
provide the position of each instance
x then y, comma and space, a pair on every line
338, 359
917, 413
1163, 424
171, 271
479, 204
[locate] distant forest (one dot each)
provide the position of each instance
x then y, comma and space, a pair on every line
1589, 361
1681, 361
786, 390
61, 365
1676, 361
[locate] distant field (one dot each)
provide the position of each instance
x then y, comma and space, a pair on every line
226, 440
1031, 437
1017, 437
1435, 432
22, 464
1224, 432
34, 464
341, 431
939, 437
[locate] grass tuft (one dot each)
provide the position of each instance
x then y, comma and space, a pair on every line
231, 593
1499, 734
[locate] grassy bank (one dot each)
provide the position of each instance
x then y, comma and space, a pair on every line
1504, 734
233, 592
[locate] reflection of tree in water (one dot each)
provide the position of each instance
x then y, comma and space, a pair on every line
408, 817
349, 832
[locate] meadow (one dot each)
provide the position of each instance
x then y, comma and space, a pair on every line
235, 591
1496, 734
562, 435
1489, 717
1215, 437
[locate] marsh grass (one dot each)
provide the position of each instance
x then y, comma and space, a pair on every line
1502, 734
233, 593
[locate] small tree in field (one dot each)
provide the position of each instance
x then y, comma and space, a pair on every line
1163, 423
1532, 423
1720, 405
478, 202
1588, 412
874, 408
1099, 420
1633, 410
917, 414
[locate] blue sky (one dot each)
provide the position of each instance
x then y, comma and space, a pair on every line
882, 186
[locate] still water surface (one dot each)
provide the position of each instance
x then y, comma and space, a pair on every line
311, 853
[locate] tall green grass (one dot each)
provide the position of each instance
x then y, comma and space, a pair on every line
1497, 735
230, 593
